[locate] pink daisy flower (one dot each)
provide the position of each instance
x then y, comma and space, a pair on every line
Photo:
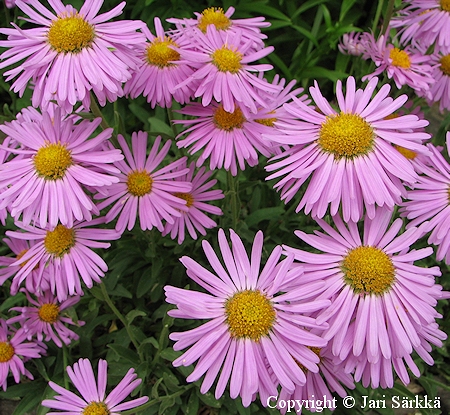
93, 398
381, 300
250, 28
160, 71
144, 189
347, 154
253, 319
440, 90
71, 53
13, 350
57, 159
67, 254
194, 220
330, 378
353, 43
405, 66
429, 201
224, 70
426, 23
45, 318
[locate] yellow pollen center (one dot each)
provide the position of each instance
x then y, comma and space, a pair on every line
346, 135
139, 183
59, 241
445, 64
70, 34
186, 196
214, 16
409, 154
400, 58
52, 161
227, 60
368, 270
160, 54
445, 5
228, 121
249, 315
267, 121
6, 352
96, 408
49, 313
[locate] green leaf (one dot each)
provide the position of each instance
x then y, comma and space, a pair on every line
307, 5
170, 354
97, 293
209, 399
133, 314
307, 34
166, 404
124, 352
12, 301
345, 7
28, 402
158, 125
192, 404
264, 214
316, 72
264, 9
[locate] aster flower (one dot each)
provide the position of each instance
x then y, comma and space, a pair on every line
93, 399
353, 43
405, 66
65, 253
440, 90
223, 70
250, 28
426, 23
57, 159
330, 378
347, 154
194, 219
71, 53
253, 319
144, 189
429, 201
45, 320
160, 71
381, 301
13, 350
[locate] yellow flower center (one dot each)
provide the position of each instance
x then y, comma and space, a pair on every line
139, 183
52, 161
6, 352
228, 121
96, 408
445, 64
59, 241
409, 154
249, 315
400, 58
227, 60
267, 121
186, 196
70, 34
445, 5
346, 135
215, 16
48, 313
160, 54
368, 270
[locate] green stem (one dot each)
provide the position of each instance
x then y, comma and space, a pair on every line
124, 321
233, 195
157, 400
377, 15
172, 124
65, 364
95, 109
387, 17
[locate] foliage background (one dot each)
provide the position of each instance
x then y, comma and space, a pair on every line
305, 35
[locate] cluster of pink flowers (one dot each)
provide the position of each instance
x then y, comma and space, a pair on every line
299, 324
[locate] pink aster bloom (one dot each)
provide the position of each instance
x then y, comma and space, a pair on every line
429, 201
440, 90
65, 252
145, 189
320, 385
56, 160
194, 219
93, 398
250, 28
353, 43
13, 350
405, 66
224, 70
160, 71
347, 154
45, 319
426, 23
381, 301
253, 319
71, 53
